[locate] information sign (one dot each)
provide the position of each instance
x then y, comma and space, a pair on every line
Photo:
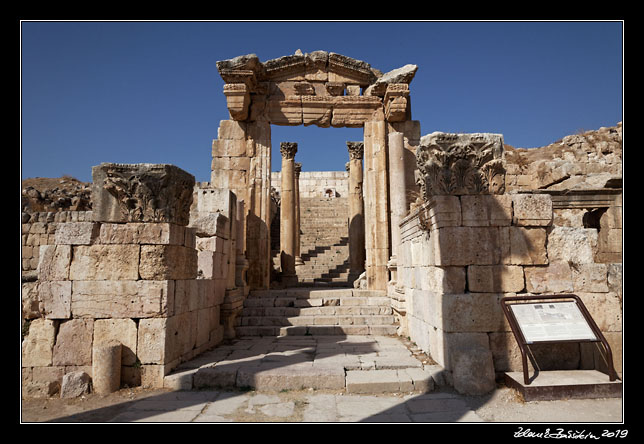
552, 321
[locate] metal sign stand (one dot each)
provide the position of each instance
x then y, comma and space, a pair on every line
581, 333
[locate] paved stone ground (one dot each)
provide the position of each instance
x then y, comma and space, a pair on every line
384, 380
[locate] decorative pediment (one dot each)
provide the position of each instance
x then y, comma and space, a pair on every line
321, 88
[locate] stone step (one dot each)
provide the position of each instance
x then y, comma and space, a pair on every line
325, 330
370, 364
300, 320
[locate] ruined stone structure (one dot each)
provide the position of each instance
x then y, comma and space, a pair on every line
432, 233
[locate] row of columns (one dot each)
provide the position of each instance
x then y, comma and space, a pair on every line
290, 212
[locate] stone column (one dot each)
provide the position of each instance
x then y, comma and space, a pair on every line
298, 169
356, 211
376, 203
287, 212
397, 192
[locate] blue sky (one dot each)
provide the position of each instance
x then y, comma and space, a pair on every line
149, 92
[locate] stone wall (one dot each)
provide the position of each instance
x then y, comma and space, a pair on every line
317, 183
148, 281
475, 237
461, 254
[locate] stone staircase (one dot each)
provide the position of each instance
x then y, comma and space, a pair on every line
324, 242
315, 311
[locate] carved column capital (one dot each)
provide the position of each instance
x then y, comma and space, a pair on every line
288, 149
460, 164
297, 167
356, 150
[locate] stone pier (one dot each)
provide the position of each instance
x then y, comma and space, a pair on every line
356, 211
287, 213
298, 258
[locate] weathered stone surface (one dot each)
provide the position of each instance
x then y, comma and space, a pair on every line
532, 209
471, 312
151, 345
524, 246
105, 262
486, 210
458, 164
141, 193
120, 299
590, 278
554, 278
54, 262
167, 262
75, 384
56, 297
209, 224
148, 233
467, 246
495, 278
77, 233
122, 331
575, 245
404, 74
38, 345
74, 343
473, 370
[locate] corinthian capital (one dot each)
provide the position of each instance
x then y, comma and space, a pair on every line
297, 167
288, 149
356, 150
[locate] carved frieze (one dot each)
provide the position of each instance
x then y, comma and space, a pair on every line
460, 164
396, 102
141, 193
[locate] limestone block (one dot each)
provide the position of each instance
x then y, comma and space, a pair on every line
152, 376
38, 345
231, 129
590, 278
486, 210
523, 246
210, 224
56, 297
473, 370
186, 296
105, 262
161, 233
74, 342
532, 209
123, 331
141, 193
31, 303
77, 233
473, 312
495, 278
160, 262
605, 308
443, 211
575, 245
151, 345
554, 278
42, 382
120, 299
54, 262
74, 384
467, 246
441, 279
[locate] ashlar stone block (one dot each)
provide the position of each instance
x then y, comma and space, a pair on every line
54, 262
495, 278
74, 342
77, 233
56, 297
524, 245
124, 331
38, 345
532, 209
105, 262
159, 262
